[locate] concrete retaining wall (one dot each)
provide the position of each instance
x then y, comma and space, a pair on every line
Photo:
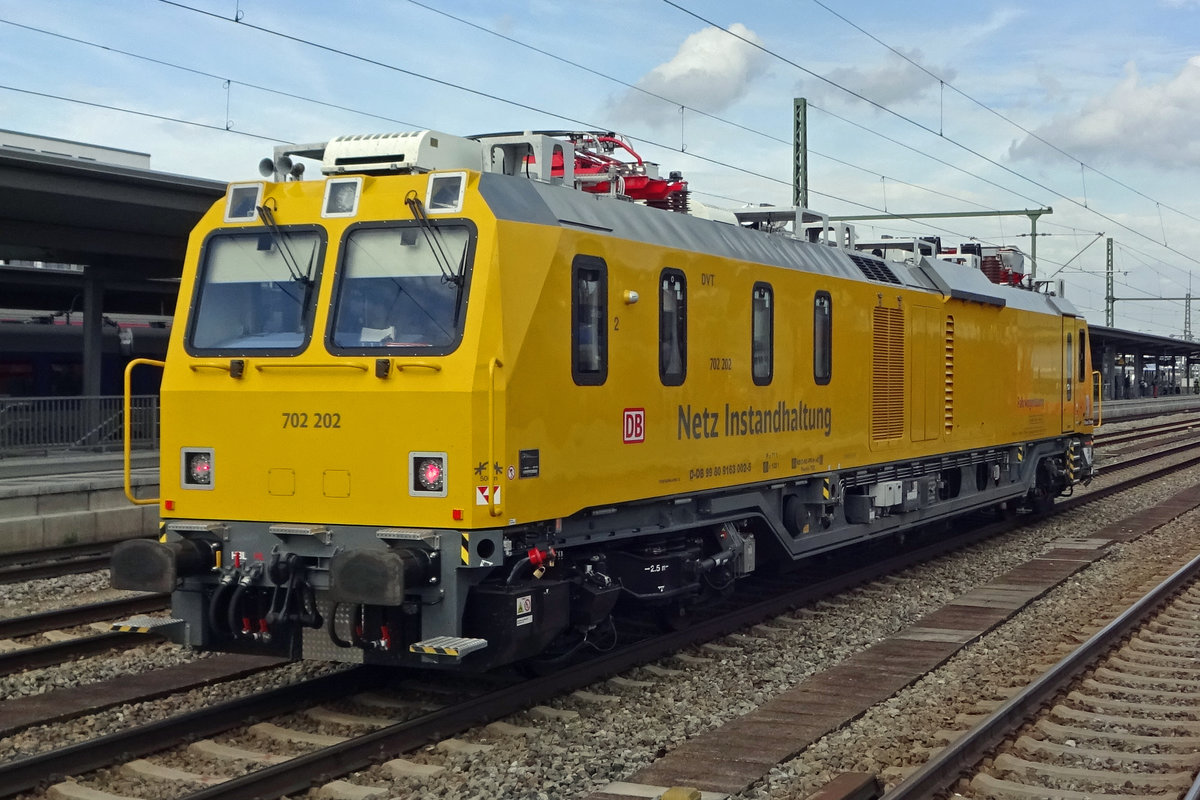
43, 512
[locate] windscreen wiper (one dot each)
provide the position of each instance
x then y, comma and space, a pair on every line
304, 278
434, 240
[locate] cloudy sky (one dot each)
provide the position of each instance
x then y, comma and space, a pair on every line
1092, 108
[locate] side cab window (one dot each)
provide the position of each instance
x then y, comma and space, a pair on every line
672, 327
762, 334
589, 321
822, 338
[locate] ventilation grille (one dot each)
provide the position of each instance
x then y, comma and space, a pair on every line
875, 269
887, 375
949, 401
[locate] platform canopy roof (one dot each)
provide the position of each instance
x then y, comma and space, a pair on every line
128, 225
1147, 343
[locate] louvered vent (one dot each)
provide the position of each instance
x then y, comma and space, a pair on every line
887, 375
875, 269
949, 412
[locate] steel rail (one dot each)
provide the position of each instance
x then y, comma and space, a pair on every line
81, 615
1117, 437
53, 569
55, 561
937, 774
1101, 492
61, 652
1107, 439
32, 772
25, 557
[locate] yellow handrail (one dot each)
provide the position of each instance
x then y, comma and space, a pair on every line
1098, 393
263, 365
494, 507
128, 413
403, 365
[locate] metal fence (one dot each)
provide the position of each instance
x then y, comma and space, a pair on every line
32, 425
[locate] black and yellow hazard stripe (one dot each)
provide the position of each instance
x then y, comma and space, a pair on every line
429, 650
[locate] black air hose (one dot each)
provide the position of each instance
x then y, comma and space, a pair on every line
512, 576
215, 603
233, 617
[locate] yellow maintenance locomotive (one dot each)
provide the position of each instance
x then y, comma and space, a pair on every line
455, 400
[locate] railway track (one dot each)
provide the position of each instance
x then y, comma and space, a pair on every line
357, 752
54, 562
1137, 434
1120, 711
19, 656
30, 657
399, 735
82, 615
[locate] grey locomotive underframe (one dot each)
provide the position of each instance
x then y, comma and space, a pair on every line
803, 516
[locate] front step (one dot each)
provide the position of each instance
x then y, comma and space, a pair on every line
446, 648
144, 624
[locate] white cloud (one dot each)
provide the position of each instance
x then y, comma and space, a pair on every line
895, 80
1154, 123
710, 72
890, 81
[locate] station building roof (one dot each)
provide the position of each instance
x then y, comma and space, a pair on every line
126, 223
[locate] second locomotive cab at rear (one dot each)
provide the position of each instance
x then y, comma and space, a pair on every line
458, 401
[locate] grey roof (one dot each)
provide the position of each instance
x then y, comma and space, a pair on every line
519, 199
131, 224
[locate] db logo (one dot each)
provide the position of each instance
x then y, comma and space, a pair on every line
634, 425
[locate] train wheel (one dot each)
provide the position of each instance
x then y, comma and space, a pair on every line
675, 616
1041, 502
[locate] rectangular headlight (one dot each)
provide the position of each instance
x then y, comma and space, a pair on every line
341, 197
242, 201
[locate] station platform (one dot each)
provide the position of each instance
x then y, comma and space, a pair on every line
1117, 410
69, 499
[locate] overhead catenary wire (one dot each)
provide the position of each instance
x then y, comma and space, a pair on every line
513, 40
412, 73
740, 126
309, 99
147, 114
927, 129
1032, 134
203, 73
362, 112
682, 105
239, 19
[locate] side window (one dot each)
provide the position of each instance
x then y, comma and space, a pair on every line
589, 321
822, 338
672, 327
762, 354
1082, 355
1070, 358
